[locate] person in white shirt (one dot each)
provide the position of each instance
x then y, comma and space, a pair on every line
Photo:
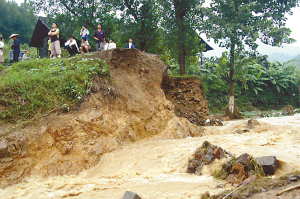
71, 46
1, 51
111, 44
25, 56
85, 46
105, 45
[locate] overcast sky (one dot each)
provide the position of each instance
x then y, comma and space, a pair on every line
291, 49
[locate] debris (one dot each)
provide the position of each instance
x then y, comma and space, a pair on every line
288, 110
288, 189
252, 123
131, 195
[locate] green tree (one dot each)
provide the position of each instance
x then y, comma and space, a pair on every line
236, 23
16, 19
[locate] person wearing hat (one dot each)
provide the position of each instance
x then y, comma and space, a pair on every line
1, 51
55, 43
15, 47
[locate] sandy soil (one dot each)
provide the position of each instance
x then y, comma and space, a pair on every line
156, 169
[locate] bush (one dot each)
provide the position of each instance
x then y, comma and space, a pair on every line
34, 87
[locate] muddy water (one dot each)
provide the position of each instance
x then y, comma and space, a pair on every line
156, 169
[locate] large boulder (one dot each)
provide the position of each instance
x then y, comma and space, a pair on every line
269, 163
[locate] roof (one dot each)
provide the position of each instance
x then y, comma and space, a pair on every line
206, 46
40, 32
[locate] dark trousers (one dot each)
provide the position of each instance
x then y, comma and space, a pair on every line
72, 50
16, 57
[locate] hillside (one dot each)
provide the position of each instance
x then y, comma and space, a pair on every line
124, 107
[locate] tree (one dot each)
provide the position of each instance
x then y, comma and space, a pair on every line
179, 19
235, 24
16, 19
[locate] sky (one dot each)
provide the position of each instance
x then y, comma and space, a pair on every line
289, 49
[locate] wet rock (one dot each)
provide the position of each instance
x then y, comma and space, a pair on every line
288, 110
4, 151
207, 159
244, 158
235, 115
192, 165
293, 178
205, 195
269, 163
131, 195
252, 123
239, 131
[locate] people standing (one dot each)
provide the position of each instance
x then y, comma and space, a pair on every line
71, 46
130, 44
111, 44
1, 51
85, 46
55, 44
15, 47
84, 32
99, 35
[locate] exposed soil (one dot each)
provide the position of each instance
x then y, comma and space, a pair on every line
126, 107
187, 96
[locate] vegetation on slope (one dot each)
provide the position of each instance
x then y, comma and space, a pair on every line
35, 87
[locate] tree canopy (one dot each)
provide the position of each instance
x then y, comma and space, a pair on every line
16, 19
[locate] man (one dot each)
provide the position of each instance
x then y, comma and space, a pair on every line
71, 46
15, 47
99, 35
1, 51
84, 32
85, 46
55, 44
130, 44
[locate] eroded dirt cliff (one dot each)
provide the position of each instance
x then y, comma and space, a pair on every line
128, 106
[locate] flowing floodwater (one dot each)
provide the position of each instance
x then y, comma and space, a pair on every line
156, 169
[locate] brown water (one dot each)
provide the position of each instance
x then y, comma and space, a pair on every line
156, 169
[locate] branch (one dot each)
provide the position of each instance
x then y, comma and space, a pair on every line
288, 189
132, 10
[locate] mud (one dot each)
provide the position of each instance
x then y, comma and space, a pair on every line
157, 168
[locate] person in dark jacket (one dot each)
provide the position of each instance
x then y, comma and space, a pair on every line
130, 44
15, 47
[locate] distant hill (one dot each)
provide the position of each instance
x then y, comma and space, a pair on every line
280, 57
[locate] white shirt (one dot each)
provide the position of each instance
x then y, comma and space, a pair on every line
1, 47
105, 46
111, 46
69, 43
130, 44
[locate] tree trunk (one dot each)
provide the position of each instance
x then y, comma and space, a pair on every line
182, 53
231, 80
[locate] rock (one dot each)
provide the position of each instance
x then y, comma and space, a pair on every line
269, 163
293, 178
244, 158
192, 165
239, 131
207, 159
288, 110
252, 123
131, 195
235, 115
4, 151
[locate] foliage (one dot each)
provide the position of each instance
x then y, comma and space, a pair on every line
33, 87
16, 19
236, 23
258, 83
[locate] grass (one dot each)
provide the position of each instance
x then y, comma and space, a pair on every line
33, 88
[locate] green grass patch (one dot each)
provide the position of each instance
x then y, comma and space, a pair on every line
33, 88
